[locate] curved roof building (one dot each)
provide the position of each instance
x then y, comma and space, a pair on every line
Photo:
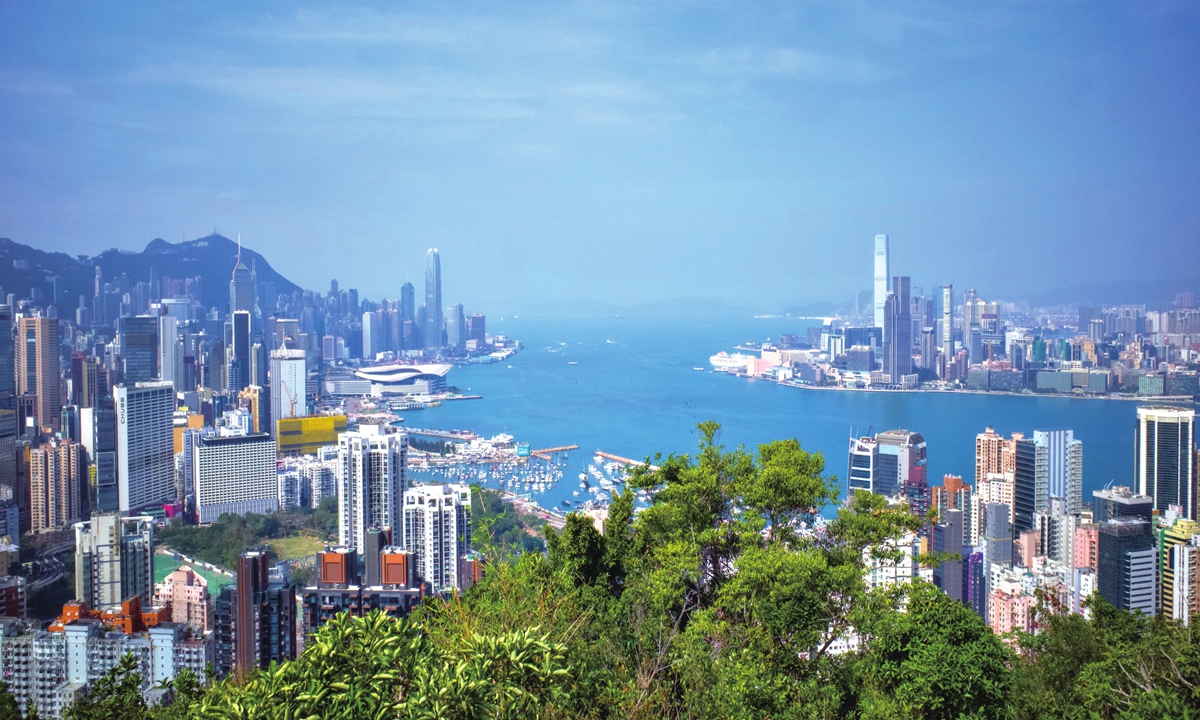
405, 379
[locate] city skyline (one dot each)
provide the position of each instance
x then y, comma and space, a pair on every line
544, 147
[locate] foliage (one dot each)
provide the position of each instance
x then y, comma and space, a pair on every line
378, 667
9, 710
499, 528
725, 598
221, 542
116, 696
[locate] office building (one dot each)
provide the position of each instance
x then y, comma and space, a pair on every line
437, 532
170, 353
186, 593
371, 336
289, 394
98, 435
255, 402
947, 538
36, 360
235, 475
433, 303
8, 377
264, 613
307, 435
1120, 501
114, 560
57, 488
1126, 573
997, 542
882, 280
1165, 456
408, 302
138, 347
1025, 485
456, 327
238, 368
945, 314
897, 331
371, 482
145, 445
888, 463
241, 287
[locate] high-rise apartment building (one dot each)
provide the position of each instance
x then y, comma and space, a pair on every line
235, 475
114, 560
1059, 469
289, 397
947, 538
1177, 539
145, 445
882, 280
37, 367
264, 613
997, 542
437, 532
994, 453
1120, 501
186, 592
57, 488
1126, 573
433, 303
1165, 456
371, 482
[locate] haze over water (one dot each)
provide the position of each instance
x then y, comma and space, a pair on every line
634, 392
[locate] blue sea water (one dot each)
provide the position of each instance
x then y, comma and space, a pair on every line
634, 392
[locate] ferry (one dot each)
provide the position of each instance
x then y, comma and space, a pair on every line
572, 362
725, 361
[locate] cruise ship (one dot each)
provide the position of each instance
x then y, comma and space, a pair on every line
725, 361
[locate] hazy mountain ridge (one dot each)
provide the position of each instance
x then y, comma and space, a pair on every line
212, 258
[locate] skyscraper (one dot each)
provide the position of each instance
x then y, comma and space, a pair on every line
946, 323
36, 360
371, 482
1059, 466
882, 278
408, 302
241, 287
997, 542
1164, 457
947, 538
456, 327
1126, 565
437, 532
897, 330
138, 347
114, 560
145, 445
170, 352
264, 613
238, 368
289, 397
433, 303
370, 335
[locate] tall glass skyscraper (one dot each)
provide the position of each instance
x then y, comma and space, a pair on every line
882, 276
433, 303
1164, 452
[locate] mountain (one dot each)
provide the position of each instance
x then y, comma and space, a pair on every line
1116, 293
23, 268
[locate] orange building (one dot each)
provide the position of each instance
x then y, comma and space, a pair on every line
131, 618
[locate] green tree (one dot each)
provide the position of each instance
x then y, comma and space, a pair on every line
9, 709
116, 696
578, 550
787, 486
934, 660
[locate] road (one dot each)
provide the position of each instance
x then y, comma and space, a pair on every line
50, 567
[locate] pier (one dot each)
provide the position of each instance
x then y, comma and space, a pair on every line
463, 435
546, 453
624, 460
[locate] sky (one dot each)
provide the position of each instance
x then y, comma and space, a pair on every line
627, 152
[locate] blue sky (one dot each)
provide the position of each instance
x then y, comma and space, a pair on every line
737, 151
